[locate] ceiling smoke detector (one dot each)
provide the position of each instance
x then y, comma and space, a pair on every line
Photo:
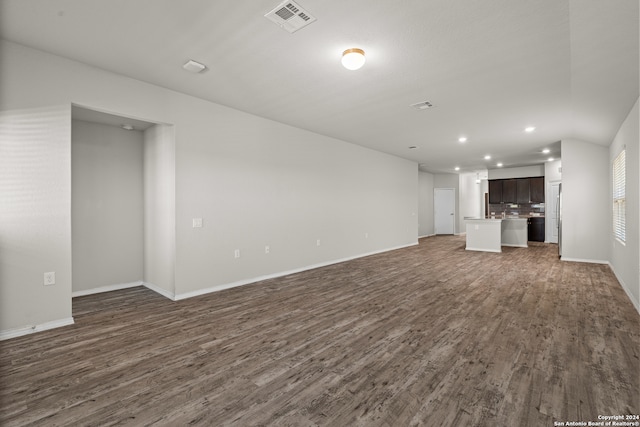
424, 105
290, 16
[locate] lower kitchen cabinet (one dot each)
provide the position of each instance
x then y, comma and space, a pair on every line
536, 229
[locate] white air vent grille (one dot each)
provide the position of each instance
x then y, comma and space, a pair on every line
290, 16
422, 105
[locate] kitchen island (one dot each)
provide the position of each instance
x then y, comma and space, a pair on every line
489, 235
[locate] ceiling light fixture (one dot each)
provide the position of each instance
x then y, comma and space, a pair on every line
529, 129
546, 151
462, 139
424, 105
551, 159
499, 165
126, 126
457, 168
194, 66
487, 157
353, 59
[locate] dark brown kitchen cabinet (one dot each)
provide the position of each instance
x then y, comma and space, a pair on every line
509, 191
535, 228
522, 190
495, 191
536, 189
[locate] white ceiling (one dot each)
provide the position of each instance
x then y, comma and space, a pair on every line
491, 67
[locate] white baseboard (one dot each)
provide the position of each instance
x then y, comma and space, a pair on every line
514, 246
279, 274
484, 250
590, 261
26, 330
107, 288
635, 303
157, 289
426, 235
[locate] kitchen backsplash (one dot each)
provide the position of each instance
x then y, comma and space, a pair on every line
521, 209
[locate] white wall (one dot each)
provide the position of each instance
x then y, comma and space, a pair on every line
585, 211
254, 182
425, 204
521, 172
35, 217
159, 209
553, 171
106, 206
624, 257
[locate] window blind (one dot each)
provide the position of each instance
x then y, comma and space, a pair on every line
619, 199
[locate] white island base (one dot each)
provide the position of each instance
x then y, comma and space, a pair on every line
489, 235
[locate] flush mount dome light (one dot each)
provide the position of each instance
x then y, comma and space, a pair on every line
353, 59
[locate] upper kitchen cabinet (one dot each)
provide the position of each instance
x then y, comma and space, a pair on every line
522, 190
516, 190
536, 189
495, 191
509, 191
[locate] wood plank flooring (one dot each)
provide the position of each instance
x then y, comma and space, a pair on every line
430, 335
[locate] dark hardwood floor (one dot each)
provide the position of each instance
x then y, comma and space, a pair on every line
430, 335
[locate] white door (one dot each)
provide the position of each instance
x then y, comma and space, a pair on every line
444, 206
551, 214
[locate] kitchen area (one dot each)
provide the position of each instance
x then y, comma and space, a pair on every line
514, 215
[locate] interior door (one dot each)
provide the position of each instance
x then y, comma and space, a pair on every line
444, 205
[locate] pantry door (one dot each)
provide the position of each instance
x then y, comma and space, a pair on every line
444, 205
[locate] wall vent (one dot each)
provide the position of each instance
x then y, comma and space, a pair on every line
290, 16
424, 105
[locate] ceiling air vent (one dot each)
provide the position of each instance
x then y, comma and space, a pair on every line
424, 105
290, 16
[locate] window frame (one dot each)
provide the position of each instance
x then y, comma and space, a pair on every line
619, 200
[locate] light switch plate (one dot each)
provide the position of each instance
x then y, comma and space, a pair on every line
197, 222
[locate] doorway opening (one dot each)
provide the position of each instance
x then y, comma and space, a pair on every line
122, 203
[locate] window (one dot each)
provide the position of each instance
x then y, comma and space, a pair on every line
619, 199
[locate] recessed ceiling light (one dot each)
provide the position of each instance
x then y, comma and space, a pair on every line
530, 129
126, 126
499, 165
487, 157
353, 59
546, 151
462, 139
457, 168
551, 159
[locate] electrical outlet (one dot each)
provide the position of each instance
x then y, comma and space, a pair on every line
50, 278
236, 253
266, 249
197, 222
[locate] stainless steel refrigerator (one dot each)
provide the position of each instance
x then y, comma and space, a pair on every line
559, 219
